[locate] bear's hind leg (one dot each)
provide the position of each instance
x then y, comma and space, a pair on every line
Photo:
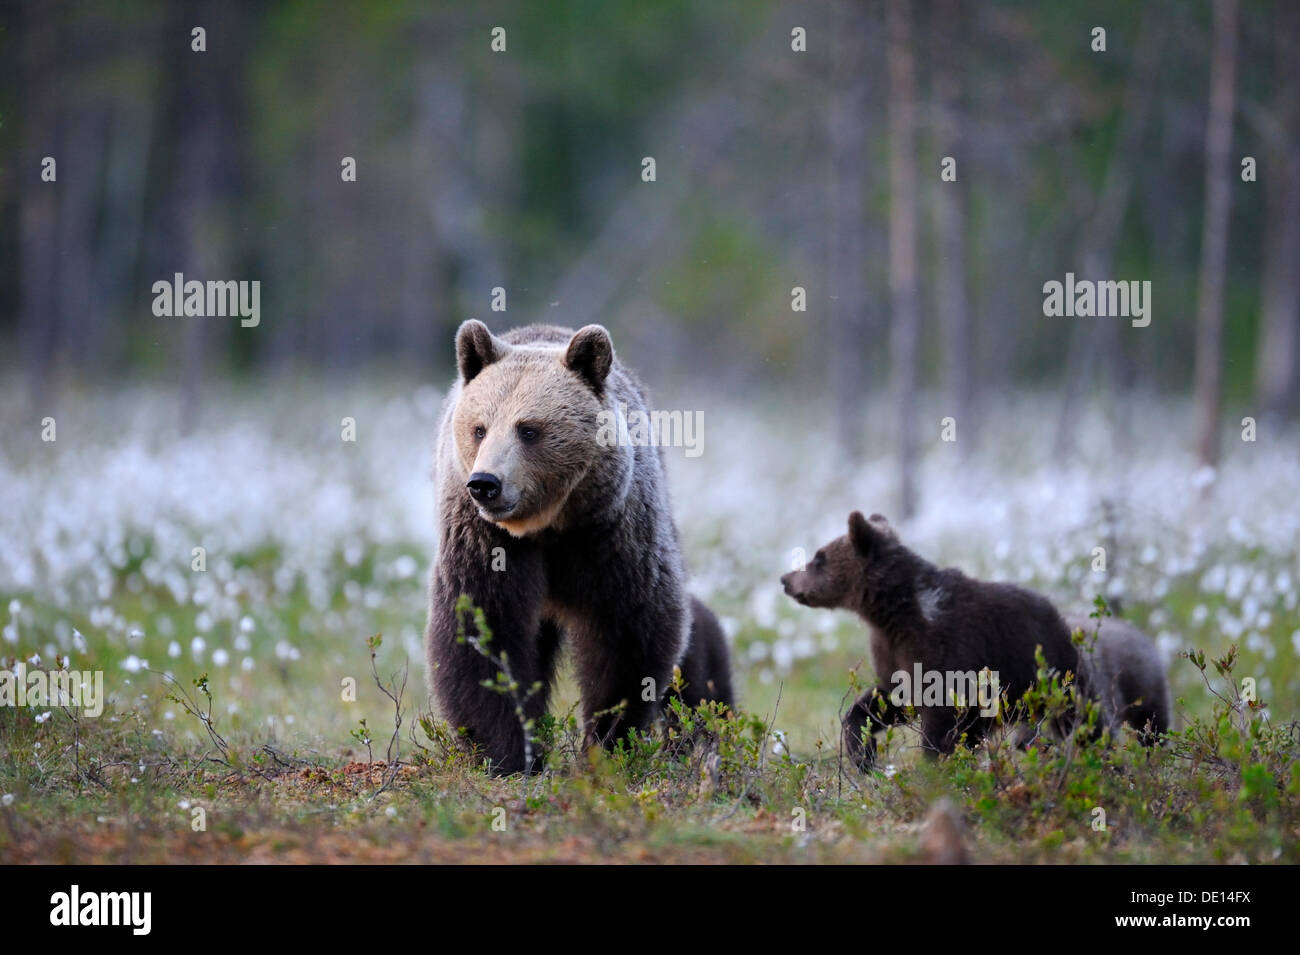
942, 729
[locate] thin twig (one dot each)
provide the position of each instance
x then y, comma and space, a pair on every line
762, 755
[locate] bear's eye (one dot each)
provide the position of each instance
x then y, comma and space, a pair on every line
528, 434
819, 561
480, 432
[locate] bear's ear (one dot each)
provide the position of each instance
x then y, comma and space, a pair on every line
591, 355
476, 348
862, 534
879, 523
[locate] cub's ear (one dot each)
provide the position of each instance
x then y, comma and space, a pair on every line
863, 535
591, 355
879, 523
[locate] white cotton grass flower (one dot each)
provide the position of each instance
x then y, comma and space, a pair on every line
247, 664
78, 641
1011, 513
220, 657
42, 717
133, 664
174, 650
7, 799
246, 624
803, 647
197, 647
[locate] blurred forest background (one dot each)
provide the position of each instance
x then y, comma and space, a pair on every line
246, 506
775, 169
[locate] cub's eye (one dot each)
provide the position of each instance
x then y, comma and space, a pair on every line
528, 434
819, 561
480, 432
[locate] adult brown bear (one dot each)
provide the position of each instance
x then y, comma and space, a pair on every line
557, 536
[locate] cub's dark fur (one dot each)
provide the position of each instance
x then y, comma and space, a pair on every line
946, 622
1122, 670
706, 667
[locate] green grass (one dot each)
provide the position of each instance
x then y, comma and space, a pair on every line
314, 546
286, 775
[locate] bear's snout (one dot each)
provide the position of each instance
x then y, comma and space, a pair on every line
484, 487
791, 588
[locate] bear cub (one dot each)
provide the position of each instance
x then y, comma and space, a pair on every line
559, 538
1122, 670
947, 623
706, 667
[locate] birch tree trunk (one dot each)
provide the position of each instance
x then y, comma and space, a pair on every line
1214, 234
1275, 372
846, 133
951, 18
905, 320
38, 205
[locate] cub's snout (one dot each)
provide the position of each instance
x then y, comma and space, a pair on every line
794, 588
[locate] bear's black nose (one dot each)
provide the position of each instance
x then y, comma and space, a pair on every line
483, 486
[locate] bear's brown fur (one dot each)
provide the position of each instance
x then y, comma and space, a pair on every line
948, 623
556, 537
